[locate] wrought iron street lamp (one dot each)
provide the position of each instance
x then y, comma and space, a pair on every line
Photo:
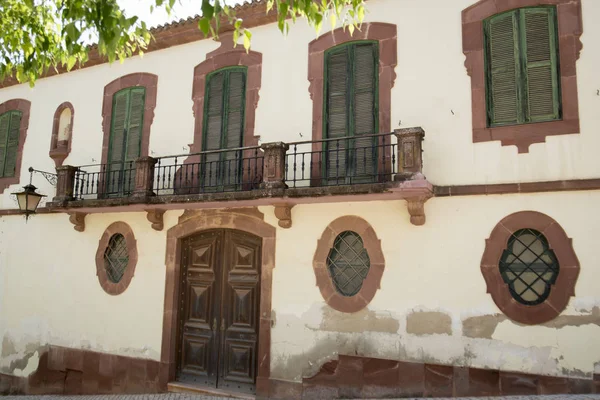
28, 199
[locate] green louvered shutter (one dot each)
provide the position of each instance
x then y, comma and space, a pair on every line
12, 146
235, 125
351, 110
364, 123
212, 130
125, 139
542, 71
137, 97
503, 70
522, 67
223, 129
4, 126
10, 125
338, 96
118, 136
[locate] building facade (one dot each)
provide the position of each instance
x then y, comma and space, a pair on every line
405, 211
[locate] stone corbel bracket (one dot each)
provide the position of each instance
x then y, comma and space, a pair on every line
156, 219
416, 192
416, 209
78, 221
283, 212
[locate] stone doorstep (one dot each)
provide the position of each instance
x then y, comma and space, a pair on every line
178, 387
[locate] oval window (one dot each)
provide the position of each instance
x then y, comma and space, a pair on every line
348, 263
116, 258
529, 267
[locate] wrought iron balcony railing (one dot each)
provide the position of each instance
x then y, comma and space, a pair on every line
356, 160
216, 171
104, 180
341, 161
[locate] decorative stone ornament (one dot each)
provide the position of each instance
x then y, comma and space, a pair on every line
156, 218
410, 152
78, 221
283, 212
494, 260
274, 165
370, 244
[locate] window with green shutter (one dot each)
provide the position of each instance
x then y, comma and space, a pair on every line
224, 109
351, 110
125, 139
522, 67
10, 125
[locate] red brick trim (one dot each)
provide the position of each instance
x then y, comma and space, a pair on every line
109, 286
227, 56
372, 282
150, 82
570, 28
524, 187
562, 246
24, 106
60, 150
245, 219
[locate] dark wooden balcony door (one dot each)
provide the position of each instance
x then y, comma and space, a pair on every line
219, 309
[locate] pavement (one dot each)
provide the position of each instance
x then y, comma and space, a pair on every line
179, 396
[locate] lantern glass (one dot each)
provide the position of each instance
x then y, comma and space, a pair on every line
28, 199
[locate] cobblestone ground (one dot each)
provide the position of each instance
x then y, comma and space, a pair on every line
177, 396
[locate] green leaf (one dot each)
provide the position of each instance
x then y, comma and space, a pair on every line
247, 39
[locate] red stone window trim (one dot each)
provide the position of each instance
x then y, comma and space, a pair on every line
386, 35
59, 150
562, 246
377, 264
146, 80
570, 28
107, 284
24, 107
227, 56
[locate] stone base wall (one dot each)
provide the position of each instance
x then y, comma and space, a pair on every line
358, 377
75, 371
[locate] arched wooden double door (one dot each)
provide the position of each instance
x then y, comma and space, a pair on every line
219, 310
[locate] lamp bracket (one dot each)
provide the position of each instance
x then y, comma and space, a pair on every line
50, 177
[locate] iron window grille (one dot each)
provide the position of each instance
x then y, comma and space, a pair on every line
116, 258
348, 263
529, 267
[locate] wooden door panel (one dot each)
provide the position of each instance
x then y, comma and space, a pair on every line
240, 363
196, 354
199, 300
199, 337
241, 290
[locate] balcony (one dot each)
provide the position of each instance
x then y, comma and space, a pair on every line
362, 168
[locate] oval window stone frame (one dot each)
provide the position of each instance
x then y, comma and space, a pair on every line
106, 283
372, 282
558, 241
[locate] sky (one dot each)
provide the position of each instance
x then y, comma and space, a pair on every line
182, 9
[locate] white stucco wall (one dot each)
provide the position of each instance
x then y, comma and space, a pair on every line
49, 292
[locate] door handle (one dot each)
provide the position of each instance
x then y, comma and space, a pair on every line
223, 325
214, 325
